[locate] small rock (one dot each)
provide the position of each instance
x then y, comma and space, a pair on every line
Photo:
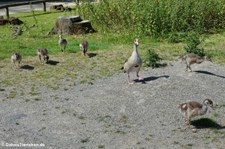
194, 130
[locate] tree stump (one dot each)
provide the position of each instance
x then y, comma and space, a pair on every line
72, 25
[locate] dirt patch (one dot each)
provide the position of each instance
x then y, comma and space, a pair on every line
109, 113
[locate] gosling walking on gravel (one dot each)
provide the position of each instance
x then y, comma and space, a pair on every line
43, 54
134, 63
62, 43
84, 46
193, 109
16, 58
192, 58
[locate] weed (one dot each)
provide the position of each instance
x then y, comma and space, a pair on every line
123, 117
37, 99
81, 117
176, 37
147, 139
63, 112
43, 128
12, 94
57, 107
215, 114
190, 145
85, 140
27, 100
152, 59
120, 131
101, 146
193, 40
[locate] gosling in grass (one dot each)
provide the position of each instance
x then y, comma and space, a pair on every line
16, 58
84, 46
193, 109
192, 58
62, 43
43, 54
134, 63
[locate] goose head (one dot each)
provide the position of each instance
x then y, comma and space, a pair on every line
208, 102
136, 43
206, 58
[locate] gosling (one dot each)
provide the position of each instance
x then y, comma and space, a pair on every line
43, 54
16, 58
193, 109
192, 58
84, 46
62, 43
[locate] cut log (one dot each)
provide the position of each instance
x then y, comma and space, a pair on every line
72, 25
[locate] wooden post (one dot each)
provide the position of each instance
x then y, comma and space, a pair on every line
44, 6
7, 12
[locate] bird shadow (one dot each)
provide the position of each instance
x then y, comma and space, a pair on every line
209, 73
52, 62
204, 123
152, 78
90, 55
27, 67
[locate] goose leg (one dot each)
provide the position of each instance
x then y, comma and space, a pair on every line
190, 68
139, 78
186, 68
64, 48
129, 81
18, 65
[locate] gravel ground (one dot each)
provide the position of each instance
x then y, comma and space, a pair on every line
111, 114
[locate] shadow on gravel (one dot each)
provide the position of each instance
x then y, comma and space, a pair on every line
209, 73
90, 55
152, 78
51, 62
206, 123
27, 67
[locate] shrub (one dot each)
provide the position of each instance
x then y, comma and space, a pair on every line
176, 37
155, 18
152, 59
193, 40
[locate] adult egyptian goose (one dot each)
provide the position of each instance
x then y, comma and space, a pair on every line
62, 43
84, 46
193, 109
43, 54
192, 58
133, 63
16, 57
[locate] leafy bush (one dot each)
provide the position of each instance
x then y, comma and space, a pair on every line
176, 37
193, 40
152, 59
155, 18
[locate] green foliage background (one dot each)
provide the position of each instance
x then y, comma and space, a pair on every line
155, 17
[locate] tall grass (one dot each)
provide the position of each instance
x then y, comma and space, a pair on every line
155, 17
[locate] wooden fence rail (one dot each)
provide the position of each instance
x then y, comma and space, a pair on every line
6, 6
